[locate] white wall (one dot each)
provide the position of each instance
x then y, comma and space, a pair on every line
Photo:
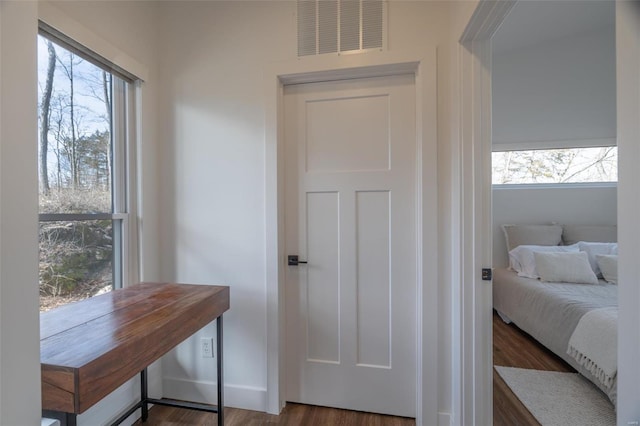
19, 321
562, 90
203, 158
213, 73
575, 205
123, 30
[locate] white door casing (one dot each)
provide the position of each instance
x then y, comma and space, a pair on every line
350, 211
475, 401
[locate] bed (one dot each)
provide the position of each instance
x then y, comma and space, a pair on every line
572, 315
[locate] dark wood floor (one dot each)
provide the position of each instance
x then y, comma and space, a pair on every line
292, 415
511, 348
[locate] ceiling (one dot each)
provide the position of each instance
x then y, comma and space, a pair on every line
532, 22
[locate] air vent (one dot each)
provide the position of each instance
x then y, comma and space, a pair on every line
336, 26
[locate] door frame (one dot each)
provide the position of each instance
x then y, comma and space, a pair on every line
473, 404
325, 68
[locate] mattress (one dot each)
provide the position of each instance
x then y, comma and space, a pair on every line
550, 312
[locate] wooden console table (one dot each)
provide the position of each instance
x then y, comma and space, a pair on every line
90, 348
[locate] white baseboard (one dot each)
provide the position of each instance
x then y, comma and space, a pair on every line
108, 409
444, 419
245, 397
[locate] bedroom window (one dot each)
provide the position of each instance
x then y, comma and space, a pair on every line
555, 166
85, 233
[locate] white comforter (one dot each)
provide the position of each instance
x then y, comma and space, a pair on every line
550, 312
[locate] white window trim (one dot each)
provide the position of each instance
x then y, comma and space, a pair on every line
126, 256
498, 146
499, 186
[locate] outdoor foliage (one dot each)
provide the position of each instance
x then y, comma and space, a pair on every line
75, 169
556, 166
75, 258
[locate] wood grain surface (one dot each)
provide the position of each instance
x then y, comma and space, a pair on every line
292, 415
89, 348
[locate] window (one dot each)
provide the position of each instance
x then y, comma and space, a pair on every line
571, 165
85, 229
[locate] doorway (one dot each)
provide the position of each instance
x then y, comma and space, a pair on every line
554, 157
351, 217
475, 64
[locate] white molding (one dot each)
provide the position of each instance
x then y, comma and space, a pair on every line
444, 419
350, 73
628, 131
473, 405
556, 144
428, 314
205, 392
341, 67
486, 19
111, 406
572, 185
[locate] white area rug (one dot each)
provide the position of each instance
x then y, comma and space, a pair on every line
559, 399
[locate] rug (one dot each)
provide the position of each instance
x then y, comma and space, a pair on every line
559, 399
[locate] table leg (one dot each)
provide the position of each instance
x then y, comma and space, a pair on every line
65, 419
143, 395
71, 419
219, 366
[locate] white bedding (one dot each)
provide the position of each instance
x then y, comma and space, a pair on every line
592, 341
550, 312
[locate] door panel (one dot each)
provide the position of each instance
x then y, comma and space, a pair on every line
323, 283
351, 213
373, 280
347, 134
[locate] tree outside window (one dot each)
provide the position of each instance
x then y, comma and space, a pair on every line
80, 225
572, 165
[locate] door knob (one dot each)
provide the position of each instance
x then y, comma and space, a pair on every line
292, 260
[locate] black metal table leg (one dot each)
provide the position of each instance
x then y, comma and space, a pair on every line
144, 402
71, 419
143, 395
219, 367
66, 419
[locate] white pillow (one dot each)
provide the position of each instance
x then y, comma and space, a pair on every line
594, 249
608, 264
522, 260
565, 267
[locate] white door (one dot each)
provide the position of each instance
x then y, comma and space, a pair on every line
351, 213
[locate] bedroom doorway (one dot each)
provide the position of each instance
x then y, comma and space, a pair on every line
543, 56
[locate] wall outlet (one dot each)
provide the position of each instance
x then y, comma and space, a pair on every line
206, 347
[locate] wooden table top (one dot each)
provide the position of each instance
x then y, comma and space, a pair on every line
89, 348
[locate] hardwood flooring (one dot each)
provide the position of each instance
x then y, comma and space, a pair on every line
511, 348
292, 415
514, 348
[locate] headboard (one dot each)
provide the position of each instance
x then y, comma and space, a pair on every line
564, 205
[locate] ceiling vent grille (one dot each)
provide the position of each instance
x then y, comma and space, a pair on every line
337, 26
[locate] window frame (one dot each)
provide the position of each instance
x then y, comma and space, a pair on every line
125, 89
528, 147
